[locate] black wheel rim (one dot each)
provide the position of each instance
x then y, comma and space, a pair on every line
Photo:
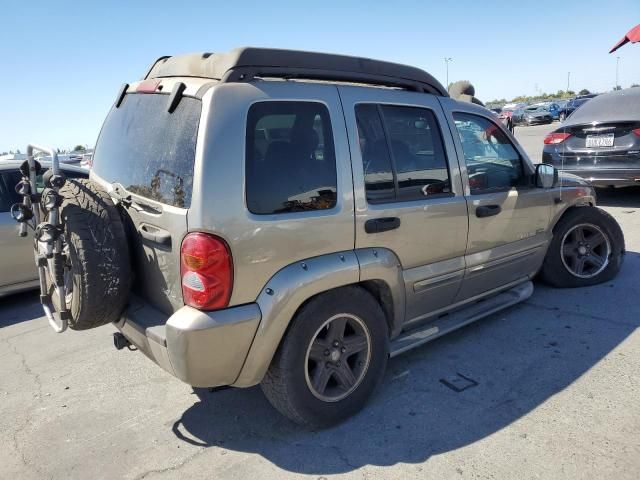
338, 357
585, 251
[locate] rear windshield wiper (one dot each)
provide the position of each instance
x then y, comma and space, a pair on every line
125, 198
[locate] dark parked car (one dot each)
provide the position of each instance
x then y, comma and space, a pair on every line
536, 115
572, 105
515, 114
601, 141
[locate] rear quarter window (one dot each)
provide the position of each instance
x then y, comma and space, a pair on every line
290, 158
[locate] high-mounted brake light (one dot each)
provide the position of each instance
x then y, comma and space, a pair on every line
556, 138
148, 86
206, 268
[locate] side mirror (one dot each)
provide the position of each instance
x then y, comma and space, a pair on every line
546, 176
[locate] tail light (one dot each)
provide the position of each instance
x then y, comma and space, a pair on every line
206, 268
636, 131
556, 138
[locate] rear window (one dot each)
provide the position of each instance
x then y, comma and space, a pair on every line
148, 150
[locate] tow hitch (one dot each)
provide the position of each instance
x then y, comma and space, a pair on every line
41, 213
120, 341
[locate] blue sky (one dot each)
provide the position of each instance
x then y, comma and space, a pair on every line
62, 62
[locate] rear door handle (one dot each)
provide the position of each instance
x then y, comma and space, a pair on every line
488, 210
155, 235
384, 224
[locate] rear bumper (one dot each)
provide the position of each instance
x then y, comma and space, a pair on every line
608, 178
538, 121
619, 170
203, 349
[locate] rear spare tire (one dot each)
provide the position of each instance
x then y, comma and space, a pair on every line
97, 271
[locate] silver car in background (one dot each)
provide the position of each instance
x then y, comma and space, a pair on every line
536, 115
17, 268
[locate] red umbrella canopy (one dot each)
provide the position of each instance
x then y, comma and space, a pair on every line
632, 36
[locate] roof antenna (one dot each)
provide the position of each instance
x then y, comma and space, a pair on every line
564, 130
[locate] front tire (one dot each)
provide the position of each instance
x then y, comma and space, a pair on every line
331, 359
587, 249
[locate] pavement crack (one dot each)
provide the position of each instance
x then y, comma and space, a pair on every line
583, 314
172, 468
16, 433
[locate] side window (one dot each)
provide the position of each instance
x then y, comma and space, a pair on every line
402, 152
5, 197
379, 179
290, 158
416, 145
8, 195
493, 163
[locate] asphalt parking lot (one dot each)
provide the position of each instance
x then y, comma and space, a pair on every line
553, 393
531, 139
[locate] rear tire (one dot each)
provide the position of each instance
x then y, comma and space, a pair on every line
587, 249
97, 268
317, 393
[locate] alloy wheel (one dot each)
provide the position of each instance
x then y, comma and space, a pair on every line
338, 357
585, 250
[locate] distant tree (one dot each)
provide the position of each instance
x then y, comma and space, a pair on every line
635, 85
617, 87
571, 93
78, 148
584, 91
18, 152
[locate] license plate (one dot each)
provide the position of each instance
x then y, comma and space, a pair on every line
600, 140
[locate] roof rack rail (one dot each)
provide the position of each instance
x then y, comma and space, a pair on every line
246, 64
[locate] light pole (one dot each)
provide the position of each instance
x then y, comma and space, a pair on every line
568, 76
446, 62
617, 63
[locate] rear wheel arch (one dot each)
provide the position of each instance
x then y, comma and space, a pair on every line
293, 382
377, 289
381, 291
376, 271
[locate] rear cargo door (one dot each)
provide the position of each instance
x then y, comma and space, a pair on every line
145, 156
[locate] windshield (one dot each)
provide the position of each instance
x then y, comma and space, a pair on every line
148, 150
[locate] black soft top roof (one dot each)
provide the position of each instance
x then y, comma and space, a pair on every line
244, 64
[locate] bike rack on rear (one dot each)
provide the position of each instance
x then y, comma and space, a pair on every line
41, 212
